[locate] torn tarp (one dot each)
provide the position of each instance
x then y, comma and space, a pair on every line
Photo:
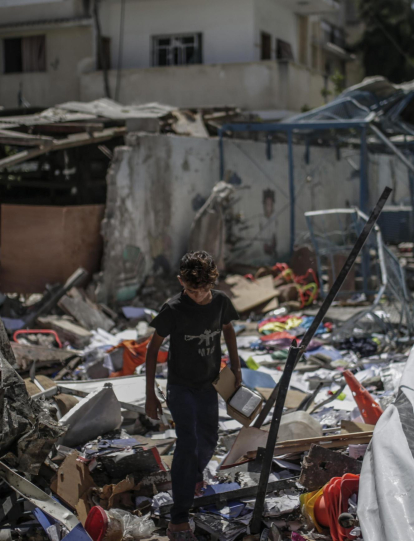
26, 426
387, 476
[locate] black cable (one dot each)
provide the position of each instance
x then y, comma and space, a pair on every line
120, 49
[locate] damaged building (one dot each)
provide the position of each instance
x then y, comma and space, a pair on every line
309, 216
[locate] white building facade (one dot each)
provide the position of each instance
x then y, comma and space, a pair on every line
256, 54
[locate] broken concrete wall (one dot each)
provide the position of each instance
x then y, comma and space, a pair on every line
157, 183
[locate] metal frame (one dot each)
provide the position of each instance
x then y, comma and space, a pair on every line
289, 128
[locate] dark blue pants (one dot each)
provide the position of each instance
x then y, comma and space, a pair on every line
195, 414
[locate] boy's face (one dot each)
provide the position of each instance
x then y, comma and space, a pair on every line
199, 295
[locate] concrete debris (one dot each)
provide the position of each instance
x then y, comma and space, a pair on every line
75, 427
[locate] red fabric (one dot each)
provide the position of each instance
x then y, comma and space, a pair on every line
134, 355
277, 336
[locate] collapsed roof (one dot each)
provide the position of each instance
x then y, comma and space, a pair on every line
374, 100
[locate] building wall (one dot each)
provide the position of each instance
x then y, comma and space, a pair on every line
22, 11
66, 50
277, 20
255, 85
226, 25
156, 183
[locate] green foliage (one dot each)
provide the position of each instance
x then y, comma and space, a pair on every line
387, 45
325, 93
338, 80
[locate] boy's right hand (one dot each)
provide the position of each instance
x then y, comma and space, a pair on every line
153, 408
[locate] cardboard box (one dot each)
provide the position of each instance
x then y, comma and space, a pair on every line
225, 385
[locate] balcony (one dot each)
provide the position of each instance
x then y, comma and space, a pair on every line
312, 7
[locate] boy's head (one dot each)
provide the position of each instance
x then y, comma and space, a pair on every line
198, 274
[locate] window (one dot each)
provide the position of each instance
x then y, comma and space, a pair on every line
104, 54
283, 50
265, 46
177, 50
24, 54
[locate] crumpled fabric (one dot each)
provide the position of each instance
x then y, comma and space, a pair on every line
134, 354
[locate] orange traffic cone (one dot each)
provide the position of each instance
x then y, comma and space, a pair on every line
370, 410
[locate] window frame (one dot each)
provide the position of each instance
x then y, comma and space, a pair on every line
175, 46
268, 37
21, 40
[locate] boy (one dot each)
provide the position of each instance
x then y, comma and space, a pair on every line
194, 320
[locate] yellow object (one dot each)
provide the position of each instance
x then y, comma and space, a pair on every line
252, 364
307, 505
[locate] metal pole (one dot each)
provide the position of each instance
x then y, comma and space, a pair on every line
391, 145
363, 186
292, 192
294, 352
221, 153
331, 295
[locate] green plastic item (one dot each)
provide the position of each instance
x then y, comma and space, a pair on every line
252, 364
280, 355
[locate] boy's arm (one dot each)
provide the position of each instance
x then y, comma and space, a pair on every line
153, 407
231, 342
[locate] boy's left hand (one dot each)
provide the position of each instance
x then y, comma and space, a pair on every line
238, 375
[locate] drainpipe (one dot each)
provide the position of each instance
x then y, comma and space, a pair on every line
98, 41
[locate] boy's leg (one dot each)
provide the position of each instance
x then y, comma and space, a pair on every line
207, 428
182, 404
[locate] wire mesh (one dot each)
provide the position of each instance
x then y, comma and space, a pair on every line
377, 273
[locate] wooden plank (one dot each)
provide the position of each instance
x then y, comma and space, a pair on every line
43, 355
322, 464
67, 331
329, 442
70, 127
84, 311
76, 140
67, 369
46, 244
9, 137
247, 294
44, 381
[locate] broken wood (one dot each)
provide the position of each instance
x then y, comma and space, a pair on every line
44, 381
247, 294
300, 446
66, 330
322, 464
76, 304
76, 140
68, 368
9, 137
77, 277
44, 356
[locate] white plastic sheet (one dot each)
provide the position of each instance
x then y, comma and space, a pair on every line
386, 494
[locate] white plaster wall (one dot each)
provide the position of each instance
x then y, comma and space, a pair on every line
279, 21
153, 182
227, 27
254, 85
22, 11
65, 49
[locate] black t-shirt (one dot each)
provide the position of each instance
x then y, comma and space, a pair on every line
195, 356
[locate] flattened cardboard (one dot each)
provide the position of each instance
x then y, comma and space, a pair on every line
225, 385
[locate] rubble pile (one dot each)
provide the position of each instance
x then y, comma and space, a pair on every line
80, 460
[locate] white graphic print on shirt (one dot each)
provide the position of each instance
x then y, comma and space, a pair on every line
204, 338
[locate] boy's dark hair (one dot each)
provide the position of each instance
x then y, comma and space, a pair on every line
198, 269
